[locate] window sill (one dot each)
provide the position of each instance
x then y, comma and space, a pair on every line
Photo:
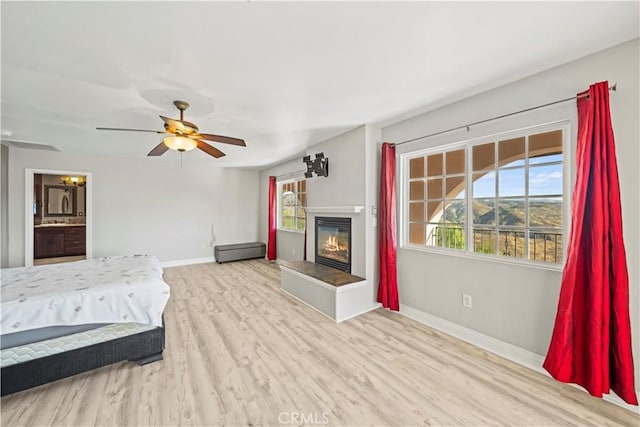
288, 230
489, 258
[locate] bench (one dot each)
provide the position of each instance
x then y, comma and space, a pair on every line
236, 252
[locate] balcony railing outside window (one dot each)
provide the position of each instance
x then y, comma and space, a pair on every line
543, 246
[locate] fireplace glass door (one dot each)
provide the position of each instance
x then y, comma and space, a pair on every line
333, 242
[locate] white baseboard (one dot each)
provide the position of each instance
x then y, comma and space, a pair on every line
510, 352
180, 262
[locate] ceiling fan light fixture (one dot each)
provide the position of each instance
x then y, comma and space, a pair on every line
180, 143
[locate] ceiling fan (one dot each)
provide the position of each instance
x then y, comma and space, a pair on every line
184, 136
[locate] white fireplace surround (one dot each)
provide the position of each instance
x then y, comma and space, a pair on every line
339, 303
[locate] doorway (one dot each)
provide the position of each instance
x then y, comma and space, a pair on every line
58, 216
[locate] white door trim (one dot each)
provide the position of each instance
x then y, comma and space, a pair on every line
28, 210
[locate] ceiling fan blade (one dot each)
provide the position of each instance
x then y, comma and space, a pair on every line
223, 139
158, 150
212, 151
132, 130
182, 127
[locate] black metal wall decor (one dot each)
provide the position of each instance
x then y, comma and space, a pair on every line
319, 165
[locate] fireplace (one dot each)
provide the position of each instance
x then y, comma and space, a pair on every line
333, 242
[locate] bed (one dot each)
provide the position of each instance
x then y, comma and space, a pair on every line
63, 319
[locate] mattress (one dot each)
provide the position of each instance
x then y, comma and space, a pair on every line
41, 334
27, 352
123, 289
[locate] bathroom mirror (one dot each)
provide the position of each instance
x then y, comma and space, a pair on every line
60, 200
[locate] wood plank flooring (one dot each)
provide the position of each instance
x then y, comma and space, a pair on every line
242, 353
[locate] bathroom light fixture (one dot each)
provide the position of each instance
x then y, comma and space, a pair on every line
180, 143
78, 181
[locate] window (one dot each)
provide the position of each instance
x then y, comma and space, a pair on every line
293, 200
500, 197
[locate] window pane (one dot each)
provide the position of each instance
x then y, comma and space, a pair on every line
454, 211
302, 186
455, 162
288, 221
511, 182
484, 184
545, 147
545, 180
484, 157
416, 211
434, 188
545, 245
416, 167
301, 224
511, 152
484, 211
484, 240
434, 211
545, 212
434, 165
288, 211
303, 199
288, 199
455, 187
416, 190
434, 234
300, 213
416, 233
511, 243
511, 212
454, 236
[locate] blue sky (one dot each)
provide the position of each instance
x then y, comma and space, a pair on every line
543, 180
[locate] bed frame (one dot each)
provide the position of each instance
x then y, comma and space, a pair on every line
142, 348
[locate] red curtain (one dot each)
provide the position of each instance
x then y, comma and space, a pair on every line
591, 341
388, 285
271, 241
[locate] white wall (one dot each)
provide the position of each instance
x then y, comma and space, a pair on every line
373, 143
4, 206
517, 304
144, 206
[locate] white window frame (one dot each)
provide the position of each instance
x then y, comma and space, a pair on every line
468, 252
294, 181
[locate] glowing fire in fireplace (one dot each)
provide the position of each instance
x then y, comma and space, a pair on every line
332, 245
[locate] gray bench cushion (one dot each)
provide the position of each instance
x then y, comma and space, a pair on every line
224, 253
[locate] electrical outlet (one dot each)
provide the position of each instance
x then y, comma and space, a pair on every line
466, 301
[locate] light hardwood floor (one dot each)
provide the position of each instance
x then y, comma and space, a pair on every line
58, 260
242, 353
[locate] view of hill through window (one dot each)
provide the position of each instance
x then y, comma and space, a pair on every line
516, 198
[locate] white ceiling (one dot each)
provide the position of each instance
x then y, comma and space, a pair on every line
282, 76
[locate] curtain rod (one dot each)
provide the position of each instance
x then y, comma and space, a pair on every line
586, 95
291, 174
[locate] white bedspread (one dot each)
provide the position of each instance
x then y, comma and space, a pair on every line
104, 290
